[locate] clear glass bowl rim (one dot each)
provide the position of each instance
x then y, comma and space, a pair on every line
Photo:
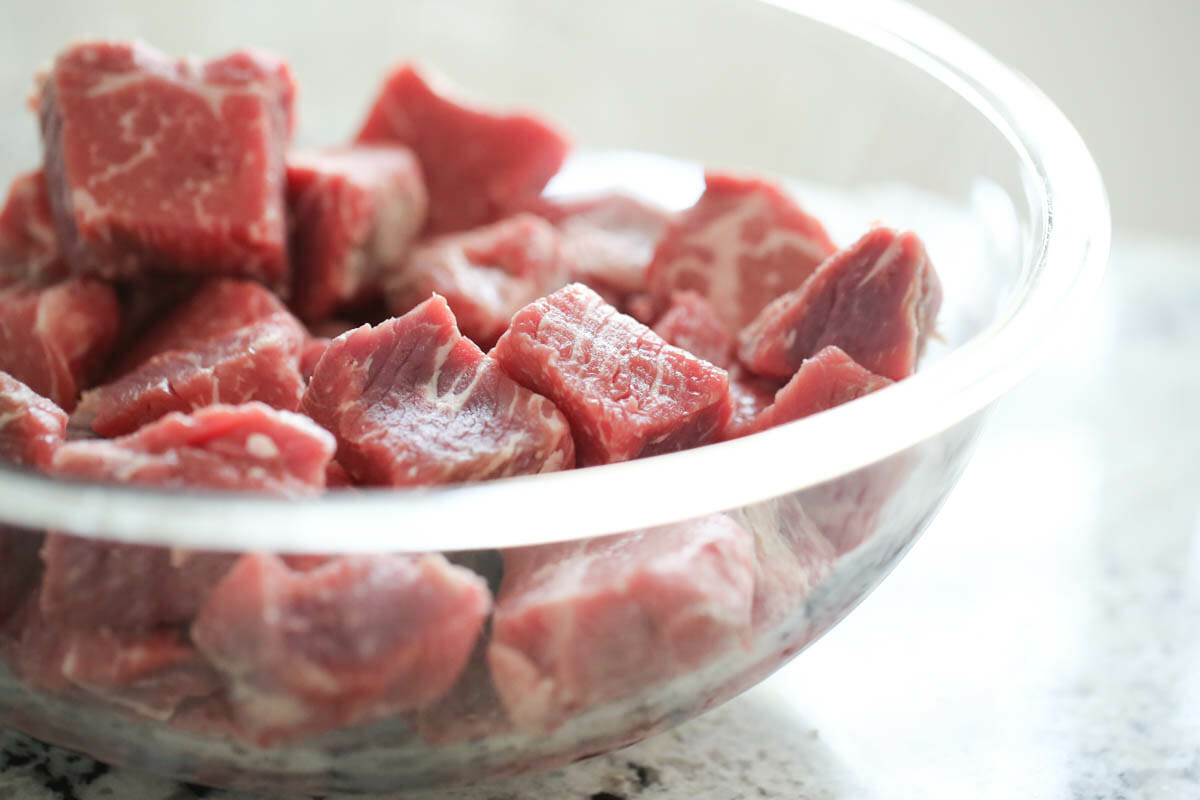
1071, 226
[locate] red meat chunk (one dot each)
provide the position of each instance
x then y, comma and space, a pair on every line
155, 163
609, 239
354, 213
28, 244
20, 567
626, 392
691, 325
580, 623
354, 639
477, 164
877, 300
250, 447
149, 673
742, 245
124, 587
260, 362
31, 427
55, 339
486, 275
217, 308
136, 587
824, 381
413, 402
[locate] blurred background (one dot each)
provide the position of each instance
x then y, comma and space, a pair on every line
1127, 74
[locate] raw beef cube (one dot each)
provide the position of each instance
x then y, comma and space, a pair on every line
218, 307
477, 164
54, 339
314, 348
20, 567
251, 447
137, 587
877, 300
626, 392
609, 238
354, 214
155, 163
31, 427
828, 379
28, 244
354, 639
260, 362
149, 673
413, 402
580, 623
751, 396
485, 274
691, 325
124, 587
742, 245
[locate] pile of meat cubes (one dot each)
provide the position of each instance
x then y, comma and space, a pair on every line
186, 302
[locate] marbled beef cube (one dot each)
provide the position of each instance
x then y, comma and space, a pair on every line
580, 623
354, 213
609, 239
257, 363
413, 402
31, 427
155, 163
28, 243
740, 246
486, 274
626, 392
828, 379
478, 165
356, 638
55, 339
251, 447
877, 300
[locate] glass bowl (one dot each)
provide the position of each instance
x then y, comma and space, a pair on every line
868, 110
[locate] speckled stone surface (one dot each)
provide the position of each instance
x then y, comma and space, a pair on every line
1040, 641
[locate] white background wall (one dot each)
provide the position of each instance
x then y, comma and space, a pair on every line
1127, 73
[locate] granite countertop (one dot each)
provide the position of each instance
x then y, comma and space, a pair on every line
1039, 641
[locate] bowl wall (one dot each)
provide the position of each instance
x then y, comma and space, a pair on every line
868, 112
